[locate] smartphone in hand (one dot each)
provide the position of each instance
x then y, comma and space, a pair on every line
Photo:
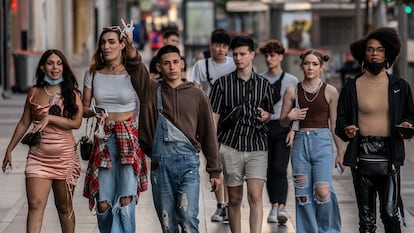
98, 110
339, 169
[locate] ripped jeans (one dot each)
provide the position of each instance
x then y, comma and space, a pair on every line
175, 179
317, 208
114, 183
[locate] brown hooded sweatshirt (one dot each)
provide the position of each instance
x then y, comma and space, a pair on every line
186, 106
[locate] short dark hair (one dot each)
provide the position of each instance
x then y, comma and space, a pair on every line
170, 32
220, 36
242, 40
272, 46
167, 49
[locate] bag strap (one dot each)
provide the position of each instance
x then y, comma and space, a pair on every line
295, 123
281, 77
90, 127
209, 79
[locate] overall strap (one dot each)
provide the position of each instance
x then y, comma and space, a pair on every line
159, 99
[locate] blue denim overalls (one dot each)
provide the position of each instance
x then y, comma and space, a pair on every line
175, 176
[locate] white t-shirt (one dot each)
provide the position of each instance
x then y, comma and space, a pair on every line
216, 70
288, 80
112, 92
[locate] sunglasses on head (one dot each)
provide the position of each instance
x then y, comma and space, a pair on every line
112, 28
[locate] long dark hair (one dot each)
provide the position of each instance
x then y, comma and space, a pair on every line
68, 86
98, 61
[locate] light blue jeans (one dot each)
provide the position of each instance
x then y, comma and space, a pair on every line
175, 179
312, 163
114, 183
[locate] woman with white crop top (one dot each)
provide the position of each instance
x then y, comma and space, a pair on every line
117, 169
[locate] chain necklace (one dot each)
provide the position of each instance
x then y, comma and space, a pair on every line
114, 69
315, 92
52, 97
47, 93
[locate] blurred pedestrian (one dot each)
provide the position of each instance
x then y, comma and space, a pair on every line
369, 108
117, 171
350, 68
244, 97
313, 103
278, 152
205, 54
170, 37
204, 73
155, 39
176, 124
53, 106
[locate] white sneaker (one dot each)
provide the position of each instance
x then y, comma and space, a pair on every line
282, 215
272, 218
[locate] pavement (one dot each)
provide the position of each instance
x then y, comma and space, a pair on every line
13, 203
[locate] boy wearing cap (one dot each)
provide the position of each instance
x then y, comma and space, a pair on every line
369, 108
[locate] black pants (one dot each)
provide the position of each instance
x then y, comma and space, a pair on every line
278, 160
367, 188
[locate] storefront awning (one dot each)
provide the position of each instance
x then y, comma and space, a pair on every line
246, 6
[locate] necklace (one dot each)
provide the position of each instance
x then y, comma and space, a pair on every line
112, 67
47, 93
315, 92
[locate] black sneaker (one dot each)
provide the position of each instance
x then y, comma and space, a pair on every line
218, 215
225, 213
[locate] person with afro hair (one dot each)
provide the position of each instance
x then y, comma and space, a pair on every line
370, 107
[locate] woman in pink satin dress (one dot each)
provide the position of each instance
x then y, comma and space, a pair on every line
53, 107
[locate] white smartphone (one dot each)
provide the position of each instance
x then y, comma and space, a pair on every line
339, 169
99, 110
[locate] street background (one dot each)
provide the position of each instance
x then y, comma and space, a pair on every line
13, 204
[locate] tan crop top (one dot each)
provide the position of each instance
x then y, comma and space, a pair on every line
318, 112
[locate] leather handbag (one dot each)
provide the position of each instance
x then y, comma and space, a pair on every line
373, 159
373, 165
229, 121
32, 138
86, 141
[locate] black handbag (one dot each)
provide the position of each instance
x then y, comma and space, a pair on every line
373, 159
229, 121
373, 165
86, 146
86, 141
32, 139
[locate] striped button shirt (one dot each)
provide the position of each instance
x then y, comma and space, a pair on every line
230, 91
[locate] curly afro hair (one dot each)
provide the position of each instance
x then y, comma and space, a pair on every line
389, 39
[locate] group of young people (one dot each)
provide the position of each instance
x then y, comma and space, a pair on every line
245, 124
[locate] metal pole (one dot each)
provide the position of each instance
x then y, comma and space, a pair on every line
402, 28
358, 20
6, 49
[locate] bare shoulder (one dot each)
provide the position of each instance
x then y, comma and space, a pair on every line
331, 89
331, 93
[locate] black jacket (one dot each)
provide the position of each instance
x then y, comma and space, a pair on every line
401, 108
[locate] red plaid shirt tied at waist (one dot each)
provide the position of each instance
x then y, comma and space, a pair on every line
126, 133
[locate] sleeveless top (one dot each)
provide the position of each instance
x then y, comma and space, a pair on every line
318, 112
56, 156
